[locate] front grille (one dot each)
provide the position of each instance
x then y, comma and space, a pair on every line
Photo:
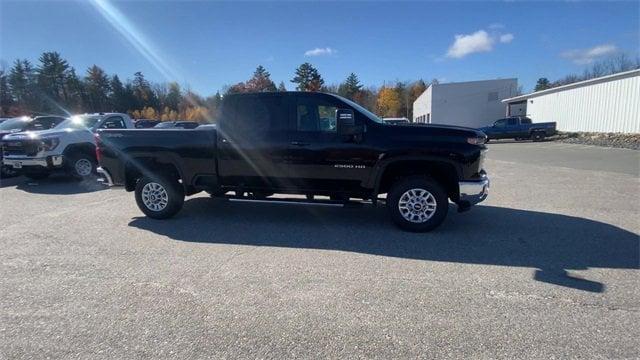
20, 147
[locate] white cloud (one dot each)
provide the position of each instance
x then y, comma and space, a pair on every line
479, 41
320, 52
587, 56
506, 38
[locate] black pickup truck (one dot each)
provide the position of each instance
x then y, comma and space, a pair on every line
301, 143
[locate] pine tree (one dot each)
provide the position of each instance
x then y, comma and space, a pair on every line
173, 97
307, 78
542, 84
282, 87
261, 81
6, 98
350, 87
22, 82
142, 92
97, 85
51, 81
78, 98
118, 96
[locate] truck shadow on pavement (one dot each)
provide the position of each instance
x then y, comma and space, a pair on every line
54, 185
488, 235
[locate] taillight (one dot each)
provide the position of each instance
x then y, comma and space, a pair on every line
96, 137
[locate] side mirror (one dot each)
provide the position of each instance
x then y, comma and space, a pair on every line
346, 123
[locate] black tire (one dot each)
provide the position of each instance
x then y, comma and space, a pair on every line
8, 172
431, 219
538, 136
174, 196
81, 165
39, 175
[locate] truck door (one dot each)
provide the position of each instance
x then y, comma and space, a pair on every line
319, 159
252, 141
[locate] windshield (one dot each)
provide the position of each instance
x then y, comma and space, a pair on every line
43, 123
15, 124
79, 122
364, 111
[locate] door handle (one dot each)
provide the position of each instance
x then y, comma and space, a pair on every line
299, 143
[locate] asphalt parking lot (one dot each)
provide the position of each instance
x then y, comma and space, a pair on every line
546, 267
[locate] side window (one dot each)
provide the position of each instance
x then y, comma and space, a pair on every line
254, 116
525, 120
500, 123
512, 121
315, 115
114, 122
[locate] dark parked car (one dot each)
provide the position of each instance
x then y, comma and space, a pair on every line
145, 123
519, 128
281, 142
20, 124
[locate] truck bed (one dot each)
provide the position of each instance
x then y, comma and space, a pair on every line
193, 150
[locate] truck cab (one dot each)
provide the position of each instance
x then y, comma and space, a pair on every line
68, 146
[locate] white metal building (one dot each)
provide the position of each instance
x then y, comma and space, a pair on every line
605, 104
473, 103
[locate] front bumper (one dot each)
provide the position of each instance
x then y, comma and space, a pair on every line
48, 162
473, 192
106, 177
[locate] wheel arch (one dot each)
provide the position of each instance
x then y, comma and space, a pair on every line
144, 165
441, 170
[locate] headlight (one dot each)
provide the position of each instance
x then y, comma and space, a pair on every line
50, 143
477, 140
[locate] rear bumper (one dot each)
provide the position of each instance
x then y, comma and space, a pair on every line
473, 192
105, 176
47, 162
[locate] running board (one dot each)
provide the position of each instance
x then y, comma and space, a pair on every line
296, 201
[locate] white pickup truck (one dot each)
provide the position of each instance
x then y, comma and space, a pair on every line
69, 146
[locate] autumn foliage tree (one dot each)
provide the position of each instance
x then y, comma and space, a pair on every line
389, 103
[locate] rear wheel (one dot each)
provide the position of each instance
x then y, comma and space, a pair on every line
538, 136
159, 197
417, 204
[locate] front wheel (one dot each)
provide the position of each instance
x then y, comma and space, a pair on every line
159, 197
417, 204
81, 166
36, 175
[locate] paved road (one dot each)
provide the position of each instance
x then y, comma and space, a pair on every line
547, 267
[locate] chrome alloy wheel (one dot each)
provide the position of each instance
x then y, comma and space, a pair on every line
83, 167
154, 196
417, 205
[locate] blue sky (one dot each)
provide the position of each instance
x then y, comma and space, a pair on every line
209, 44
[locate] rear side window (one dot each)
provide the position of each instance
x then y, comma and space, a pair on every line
254, 116
512, 121
525, 120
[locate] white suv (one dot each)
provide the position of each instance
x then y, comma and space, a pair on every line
70, 146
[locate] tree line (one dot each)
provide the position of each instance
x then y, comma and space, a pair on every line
53, 86
604, 67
